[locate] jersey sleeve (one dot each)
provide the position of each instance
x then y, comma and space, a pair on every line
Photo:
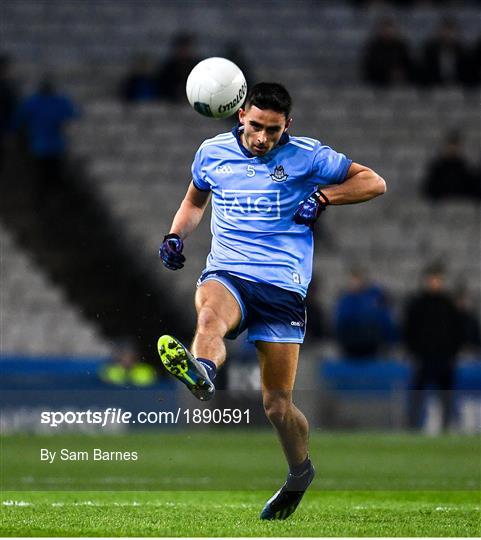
329, 166
198, 172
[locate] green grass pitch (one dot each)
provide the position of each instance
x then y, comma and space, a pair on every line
214, 483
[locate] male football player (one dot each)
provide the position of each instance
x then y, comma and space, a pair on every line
267, 188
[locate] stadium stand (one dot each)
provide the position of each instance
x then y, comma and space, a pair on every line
74, 240
36, 318
138, 158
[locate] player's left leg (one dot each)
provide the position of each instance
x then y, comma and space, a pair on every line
278, 364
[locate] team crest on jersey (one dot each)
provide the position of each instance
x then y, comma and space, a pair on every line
279, 175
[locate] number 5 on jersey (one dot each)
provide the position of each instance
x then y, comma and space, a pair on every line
250, 171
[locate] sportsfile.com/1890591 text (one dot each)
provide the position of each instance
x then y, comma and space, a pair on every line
113, 415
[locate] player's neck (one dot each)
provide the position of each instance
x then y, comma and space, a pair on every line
243, 140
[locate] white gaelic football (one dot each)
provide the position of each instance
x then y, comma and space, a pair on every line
216, 87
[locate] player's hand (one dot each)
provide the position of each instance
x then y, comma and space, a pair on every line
310, 209
170, 252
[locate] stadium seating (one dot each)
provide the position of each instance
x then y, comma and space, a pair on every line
139, 158
304, 40
36, 317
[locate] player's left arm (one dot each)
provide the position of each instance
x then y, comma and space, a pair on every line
361, 184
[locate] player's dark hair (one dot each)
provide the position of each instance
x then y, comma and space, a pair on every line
271, 96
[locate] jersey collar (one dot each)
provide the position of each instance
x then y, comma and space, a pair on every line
237, 132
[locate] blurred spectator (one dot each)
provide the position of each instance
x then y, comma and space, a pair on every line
449, 174
363, 320
43, 117
8, 100
139, 83
126, 369
434, 336
386, 58
445, 59
172, 75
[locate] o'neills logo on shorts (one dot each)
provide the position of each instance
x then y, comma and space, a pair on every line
226, 107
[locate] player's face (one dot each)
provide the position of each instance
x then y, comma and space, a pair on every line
262, 129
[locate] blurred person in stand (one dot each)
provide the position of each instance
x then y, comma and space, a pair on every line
445, 58
387, 58
139, 83
43, 117
450, 175
126, 369
363, 321
172, 74
433, 335
8, 101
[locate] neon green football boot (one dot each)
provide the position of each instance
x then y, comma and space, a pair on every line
178, 361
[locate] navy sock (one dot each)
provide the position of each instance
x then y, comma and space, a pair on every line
209, 366
297, 470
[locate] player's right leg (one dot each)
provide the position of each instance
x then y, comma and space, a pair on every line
181, 363
218, 312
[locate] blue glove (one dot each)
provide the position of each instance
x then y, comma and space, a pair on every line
170, 252
310, 209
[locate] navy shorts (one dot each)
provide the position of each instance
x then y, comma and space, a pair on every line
269, 313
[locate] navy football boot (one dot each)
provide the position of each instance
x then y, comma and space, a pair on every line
178, 361
284, 502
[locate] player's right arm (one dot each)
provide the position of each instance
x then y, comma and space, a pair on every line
186, 220
190, 212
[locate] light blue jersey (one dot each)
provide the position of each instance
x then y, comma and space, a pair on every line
253, 201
